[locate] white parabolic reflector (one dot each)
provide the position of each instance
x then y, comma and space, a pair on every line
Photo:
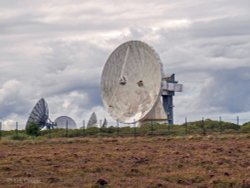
63, 122
131, 81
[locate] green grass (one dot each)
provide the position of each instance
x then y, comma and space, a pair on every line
206, 127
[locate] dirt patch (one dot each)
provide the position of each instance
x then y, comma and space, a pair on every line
126, 162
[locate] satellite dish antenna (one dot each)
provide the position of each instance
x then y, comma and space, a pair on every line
92, 120
64, 122
40, 115
105, 123
131, 83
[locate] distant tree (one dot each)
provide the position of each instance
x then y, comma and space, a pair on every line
32, 129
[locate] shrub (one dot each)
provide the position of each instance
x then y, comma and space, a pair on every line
19, 136
32, 129
212, 125
245, 128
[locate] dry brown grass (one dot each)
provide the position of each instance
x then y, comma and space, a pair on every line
127, 162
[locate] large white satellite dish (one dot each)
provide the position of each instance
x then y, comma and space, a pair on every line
131, 83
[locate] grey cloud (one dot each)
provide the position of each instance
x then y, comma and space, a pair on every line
12, 100
230, 26
228, 91
57, 51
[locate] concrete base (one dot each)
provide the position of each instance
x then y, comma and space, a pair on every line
156, 115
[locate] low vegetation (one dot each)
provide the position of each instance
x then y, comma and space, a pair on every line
206, 127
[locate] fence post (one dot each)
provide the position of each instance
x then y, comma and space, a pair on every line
220, 124
49, 131
186, 124
101, 128
152, 127
0, 130
67, 128
16, 128
134, 128
83, 127
168, 128
203, 127
117, 127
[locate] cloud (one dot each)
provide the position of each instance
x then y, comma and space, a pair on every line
227, 91
9, 125
12, 99
57, 50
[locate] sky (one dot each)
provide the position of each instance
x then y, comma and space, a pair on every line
57, 50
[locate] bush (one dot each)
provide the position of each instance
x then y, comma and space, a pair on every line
212, 125
19, 136
109, 130
32, 129
245, 128
92, 131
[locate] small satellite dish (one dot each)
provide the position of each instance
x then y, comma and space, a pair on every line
63, 122
92, 121
40, 114
131, 82
105, 123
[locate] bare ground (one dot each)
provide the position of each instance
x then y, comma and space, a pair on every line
127, 162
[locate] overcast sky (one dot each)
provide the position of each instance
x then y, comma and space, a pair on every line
57, 49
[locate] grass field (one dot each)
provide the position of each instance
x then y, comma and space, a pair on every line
148, 162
